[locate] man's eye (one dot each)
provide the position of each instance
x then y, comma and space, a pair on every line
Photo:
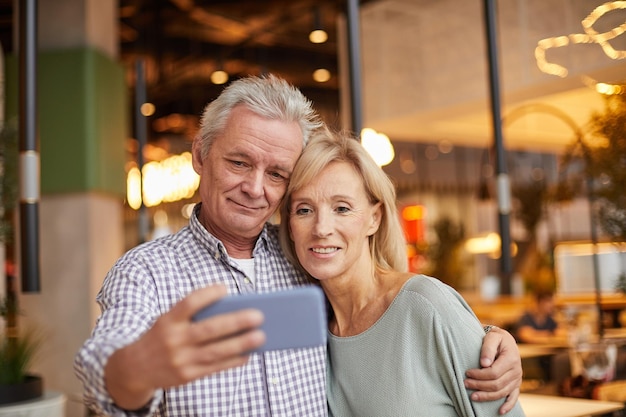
238, 163
277, 176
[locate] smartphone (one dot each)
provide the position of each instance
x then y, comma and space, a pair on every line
294, 318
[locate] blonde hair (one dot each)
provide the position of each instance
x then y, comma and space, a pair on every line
387, 245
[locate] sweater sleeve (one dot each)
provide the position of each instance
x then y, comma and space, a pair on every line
457, 340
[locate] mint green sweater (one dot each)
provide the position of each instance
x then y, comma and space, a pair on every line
412, 361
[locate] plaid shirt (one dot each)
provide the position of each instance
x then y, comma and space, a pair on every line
149, 279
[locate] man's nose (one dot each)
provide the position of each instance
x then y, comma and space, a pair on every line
253, 184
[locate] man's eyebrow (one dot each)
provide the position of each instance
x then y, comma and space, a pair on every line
235, 153
281, 168
244, 155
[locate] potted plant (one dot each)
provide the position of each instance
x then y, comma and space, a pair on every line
17, 349
598, 161
16, 354
445, 255
596, 164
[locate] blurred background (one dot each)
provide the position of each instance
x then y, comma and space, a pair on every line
121, 86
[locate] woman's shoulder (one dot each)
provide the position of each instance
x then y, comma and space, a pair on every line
420, 282
432, 289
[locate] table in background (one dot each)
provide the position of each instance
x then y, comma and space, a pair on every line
618, 334
611, 303
532, 350
552, 406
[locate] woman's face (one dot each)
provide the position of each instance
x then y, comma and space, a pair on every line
330, 221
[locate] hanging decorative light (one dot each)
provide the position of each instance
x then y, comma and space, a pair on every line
318, 34
321, 75
219, 76
590, 36
378, 146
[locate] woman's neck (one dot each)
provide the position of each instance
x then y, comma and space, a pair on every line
358, 302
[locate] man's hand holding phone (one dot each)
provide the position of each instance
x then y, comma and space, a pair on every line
177, 349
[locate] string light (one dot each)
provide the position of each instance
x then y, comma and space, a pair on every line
590, 36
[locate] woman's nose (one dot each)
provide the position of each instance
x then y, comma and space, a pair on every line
323, 224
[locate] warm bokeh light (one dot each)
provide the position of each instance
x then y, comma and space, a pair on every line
147, 109
318, 36
321, 75
187, 210
171, 179
488, 243
445, 146
219, 77
413, 217
133, 185
415, 212
609, 89
378, 146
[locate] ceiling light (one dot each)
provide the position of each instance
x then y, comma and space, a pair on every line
321, 75
318, 34
147, 109
219, 77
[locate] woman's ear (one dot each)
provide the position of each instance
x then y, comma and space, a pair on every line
377, 214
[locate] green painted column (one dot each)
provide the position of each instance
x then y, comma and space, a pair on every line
83, 120
83, 124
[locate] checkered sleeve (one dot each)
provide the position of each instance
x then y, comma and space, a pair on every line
129, 307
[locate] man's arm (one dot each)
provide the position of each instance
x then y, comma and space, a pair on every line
501, 372
177, 350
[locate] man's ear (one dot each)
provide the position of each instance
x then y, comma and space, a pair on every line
196, 155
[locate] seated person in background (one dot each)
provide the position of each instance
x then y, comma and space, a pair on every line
399, 343
538, 325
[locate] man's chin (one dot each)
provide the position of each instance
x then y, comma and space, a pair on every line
252, 224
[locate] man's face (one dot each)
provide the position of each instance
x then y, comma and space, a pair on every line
245, 174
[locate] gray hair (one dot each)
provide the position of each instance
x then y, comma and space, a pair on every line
268, 96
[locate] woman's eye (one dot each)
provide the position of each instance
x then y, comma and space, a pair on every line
302, 211
343, 209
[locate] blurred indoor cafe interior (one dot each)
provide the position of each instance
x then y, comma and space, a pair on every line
501, 122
